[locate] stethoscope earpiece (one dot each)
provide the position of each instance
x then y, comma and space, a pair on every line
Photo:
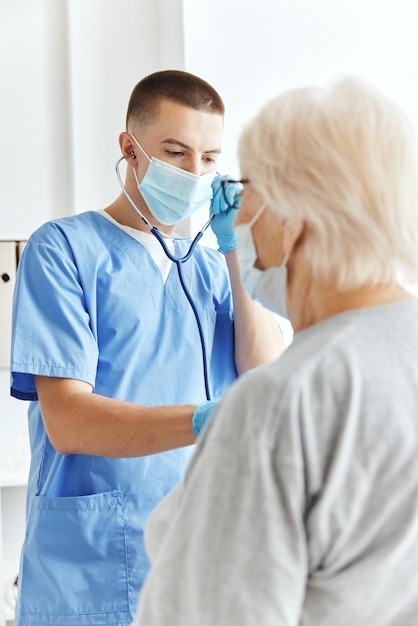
132, 155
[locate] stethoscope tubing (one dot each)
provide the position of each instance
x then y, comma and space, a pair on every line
178, 261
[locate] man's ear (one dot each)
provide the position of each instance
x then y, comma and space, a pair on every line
293, 230
127, 147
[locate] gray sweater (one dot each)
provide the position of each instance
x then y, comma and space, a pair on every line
300, 506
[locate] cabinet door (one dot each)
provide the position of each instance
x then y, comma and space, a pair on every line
7, 282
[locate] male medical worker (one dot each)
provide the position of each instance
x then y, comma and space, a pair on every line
119, 348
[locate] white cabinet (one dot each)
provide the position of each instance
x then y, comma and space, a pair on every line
12, 529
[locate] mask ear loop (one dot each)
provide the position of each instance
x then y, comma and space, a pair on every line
126, 194
140, 147
285, 260
136, 177
253, 220
257, 215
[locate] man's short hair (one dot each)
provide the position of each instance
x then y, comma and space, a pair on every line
176, 85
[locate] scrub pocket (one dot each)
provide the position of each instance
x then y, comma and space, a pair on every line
74, 568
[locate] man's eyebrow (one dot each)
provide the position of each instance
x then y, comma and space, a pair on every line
177, 142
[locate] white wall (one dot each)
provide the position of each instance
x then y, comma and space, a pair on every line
111, 46
67, 68
33, 115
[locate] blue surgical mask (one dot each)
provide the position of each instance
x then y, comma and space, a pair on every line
269, 286
171, 193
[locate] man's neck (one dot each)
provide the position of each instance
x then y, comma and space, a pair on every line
123, 212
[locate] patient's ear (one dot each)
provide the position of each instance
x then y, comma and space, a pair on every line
293, 230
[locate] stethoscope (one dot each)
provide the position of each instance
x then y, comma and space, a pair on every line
178, 262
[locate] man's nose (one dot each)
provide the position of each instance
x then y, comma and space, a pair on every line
194, 165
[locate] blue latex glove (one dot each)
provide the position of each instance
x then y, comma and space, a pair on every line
224, 206
201, 415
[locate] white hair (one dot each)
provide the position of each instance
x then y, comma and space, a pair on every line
344, 158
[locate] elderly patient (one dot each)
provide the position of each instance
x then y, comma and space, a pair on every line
300, 506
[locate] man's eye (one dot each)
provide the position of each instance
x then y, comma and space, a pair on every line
210, 160
174, 153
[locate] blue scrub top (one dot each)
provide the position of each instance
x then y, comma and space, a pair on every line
90, 304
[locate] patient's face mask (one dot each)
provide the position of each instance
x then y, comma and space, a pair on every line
172, 194
269, 286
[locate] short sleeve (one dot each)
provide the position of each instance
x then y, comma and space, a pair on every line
51, 330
